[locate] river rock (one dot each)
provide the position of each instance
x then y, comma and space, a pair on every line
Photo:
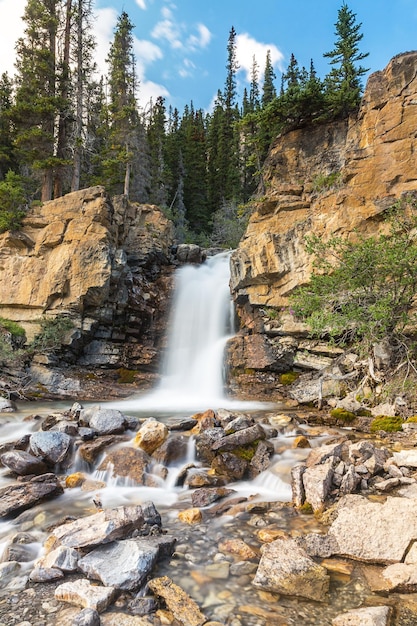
261, 460
367, 616
317, 482
237, 547
372, 531
20, 496
121, 564
82, 593
102, 527
204, 496
120, 619
63, 558
406, 458
45, 574
287, 569
87, 617
183, 608
172, 450
52, 447
7, 406
23, 463
150, 435
204, 442
239, 423
90, 450
230, 465
107, 421
127, 462
240, 438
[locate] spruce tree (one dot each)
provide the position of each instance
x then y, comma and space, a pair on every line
37, 103
269, 92
343, 83
7, 159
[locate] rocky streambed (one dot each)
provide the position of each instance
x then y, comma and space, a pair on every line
224, 517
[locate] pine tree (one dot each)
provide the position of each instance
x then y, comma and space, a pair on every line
343, 83
269, 92
37, 104
7, 158
254, 95
156, 137
123, 110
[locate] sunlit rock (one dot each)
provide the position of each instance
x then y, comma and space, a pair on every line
190, 516
184, 609
82, 593
367, 616
151, 435
287, 569
20, 496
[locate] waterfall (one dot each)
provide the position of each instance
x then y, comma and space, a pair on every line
200, 324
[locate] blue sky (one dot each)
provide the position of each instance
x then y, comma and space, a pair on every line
180, 45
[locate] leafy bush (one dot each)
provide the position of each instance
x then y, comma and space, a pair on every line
363, 290
323, 182
52, 334
12, 327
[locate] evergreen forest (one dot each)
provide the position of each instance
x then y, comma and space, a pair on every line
63, 127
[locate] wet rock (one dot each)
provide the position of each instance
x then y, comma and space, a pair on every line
230, 465
85, 433
151, 435
90, 450
7, 406
374, 532
143, 605
63, 558
87, 617
204, 442
286, 568
51, 447
107, 421
132, 463
23, 463
102, 527
172, 450
297, 485
20, 496
239, 438
189, 253
207, 495
75, 480
64, 426
82, 593
239, 423
201, 478
121, 564
187, 423
261, 460
237, 547
367, 616
190, 516
184, 609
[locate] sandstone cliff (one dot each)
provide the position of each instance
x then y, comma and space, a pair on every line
327, 179
102, 263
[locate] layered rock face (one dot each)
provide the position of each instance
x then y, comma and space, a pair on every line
326, 179
102, 263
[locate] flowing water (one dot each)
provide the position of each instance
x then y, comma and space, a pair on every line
191, 380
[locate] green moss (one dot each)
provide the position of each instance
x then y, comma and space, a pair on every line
411, 420
343, 415
386, 423
288, 378
126, 376
246, 452
12, 327
306, 508
363, 413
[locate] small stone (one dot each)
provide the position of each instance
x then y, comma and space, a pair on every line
184, 609
82, 593
87, 617
190, 516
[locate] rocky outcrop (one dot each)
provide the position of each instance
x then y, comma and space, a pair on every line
327, 179
104, 264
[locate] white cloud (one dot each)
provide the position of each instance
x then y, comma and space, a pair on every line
168, 29
151, 91
187, 69
146, 52
141, 4
11, 28
104, 24
247, 48
201, 40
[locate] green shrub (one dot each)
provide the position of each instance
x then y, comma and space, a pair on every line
323, 182
12, 327
387, 423
52, 334
13, 202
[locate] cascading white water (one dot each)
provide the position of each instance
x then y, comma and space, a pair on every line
201, 323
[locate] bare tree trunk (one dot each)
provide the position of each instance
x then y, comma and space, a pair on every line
63, 116
76, 174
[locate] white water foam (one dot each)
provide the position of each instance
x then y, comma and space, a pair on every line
192, 376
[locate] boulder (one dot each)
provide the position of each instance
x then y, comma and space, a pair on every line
151, 435
23, 463
86, 617
52, 447
367, 616
129, 463
18, 497
317, 481
106, 421
287, 569
62, 558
